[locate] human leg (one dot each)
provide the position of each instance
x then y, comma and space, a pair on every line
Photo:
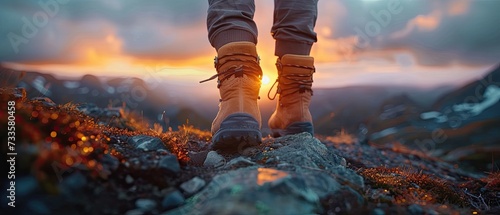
232, 32
293, 30
293, 26
231, 21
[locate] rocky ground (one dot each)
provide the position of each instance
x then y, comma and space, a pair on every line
83, 159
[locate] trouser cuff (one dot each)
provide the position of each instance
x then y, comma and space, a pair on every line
235, 35
291, 47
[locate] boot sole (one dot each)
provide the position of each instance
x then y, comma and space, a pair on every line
294, 128
236, 132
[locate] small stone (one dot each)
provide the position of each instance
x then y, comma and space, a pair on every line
170, 164
343, 162
122, 196
192, 186
145, 204
197, 158
378, 211
45, 101
90, 109
276, 145
112, 112
134, 212
74, 182
415, 209
214, 160
172, 200
162, 151
270, 160
129, 179
146, 143
110, 162
239, 162
432, 212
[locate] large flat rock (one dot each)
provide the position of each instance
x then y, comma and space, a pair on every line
301, 172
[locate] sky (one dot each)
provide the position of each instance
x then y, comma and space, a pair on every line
376, 42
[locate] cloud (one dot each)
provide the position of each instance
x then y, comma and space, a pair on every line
334, 50
459, 7
471, 38
82, 31
437, 33
421, 22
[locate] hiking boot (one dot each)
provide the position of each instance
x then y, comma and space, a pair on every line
295, 78
238, 121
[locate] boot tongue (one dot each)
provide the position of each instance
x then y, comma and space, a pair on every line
235, 60
298, 64
237, 47
236, 54
301, 67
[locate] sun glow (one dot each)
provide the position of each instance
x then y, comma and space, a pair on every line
265, 80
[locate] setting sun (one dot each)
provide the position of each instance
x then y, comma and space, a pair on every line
265, 80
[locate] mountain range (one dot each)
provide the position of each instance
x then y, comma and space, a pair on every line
461, 125
451, 122
333, 109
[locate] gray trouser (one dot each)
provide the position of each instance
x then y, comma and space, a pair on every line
293, 24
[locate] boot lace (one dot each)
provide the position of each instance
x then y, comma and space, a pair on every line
300, 83
250, 68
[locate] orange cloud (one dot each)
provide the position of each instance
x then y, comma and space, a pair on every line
427, 23
89, 45
334, 50
421, 22
458, 7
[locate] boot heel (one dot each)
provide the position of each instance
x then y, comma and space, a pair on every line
294, 128
237, 131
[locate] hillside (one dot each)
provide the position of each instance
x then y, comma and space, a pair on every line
461, 126
333, 109
70, 163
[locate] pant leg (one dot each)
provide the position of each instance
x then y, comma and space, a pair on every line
293, 26
231, 21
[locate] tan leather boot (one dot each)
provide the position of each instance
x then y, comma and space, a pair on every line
295, 78
238, 121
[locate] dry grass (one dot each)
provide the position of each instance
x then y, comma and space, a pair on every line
409, 187
65, 139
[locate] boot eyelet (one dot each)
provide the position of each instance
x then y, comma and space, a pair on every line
216, 61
